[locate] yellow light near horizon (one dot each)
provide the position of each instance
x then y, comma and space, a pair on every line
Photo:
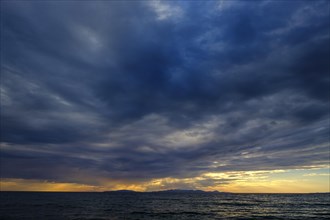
35, 185
272, 181
276, 186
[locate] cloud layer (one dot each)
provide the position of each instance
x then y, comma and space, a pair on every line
149, 89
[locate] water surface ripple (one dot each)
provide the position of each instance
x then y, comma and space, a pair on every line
113, 206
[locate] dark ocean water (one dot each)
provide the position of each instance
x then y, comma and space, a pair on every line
19, 205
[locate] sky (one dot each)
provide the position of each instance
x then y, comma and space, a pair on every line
153, 95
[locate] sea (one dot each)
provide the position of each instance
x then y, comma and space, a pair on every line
177, 206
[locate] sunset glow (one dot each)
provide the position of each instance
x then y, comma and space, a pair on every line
230, 96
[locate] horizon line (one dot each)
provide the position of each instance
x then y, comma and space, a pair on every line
110, 191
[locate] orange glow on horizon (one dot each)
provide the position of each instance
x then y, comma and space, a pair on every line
276, 181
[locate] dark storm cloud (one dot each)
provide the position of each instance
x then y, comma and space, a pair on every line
139, 90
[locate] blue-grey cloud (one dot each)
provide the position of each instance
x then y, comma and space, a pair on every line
147, 89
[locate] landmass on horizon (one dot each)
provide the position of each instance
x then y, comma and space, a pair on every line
168, 191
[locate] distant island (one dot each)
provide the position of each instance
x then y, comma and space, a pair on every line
169, 191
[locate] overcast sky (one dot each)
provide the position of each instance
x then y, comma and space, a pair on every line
134, 91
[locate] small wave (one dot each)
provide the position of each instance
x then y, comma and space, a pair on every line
170, 213
233, 204
325, 214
